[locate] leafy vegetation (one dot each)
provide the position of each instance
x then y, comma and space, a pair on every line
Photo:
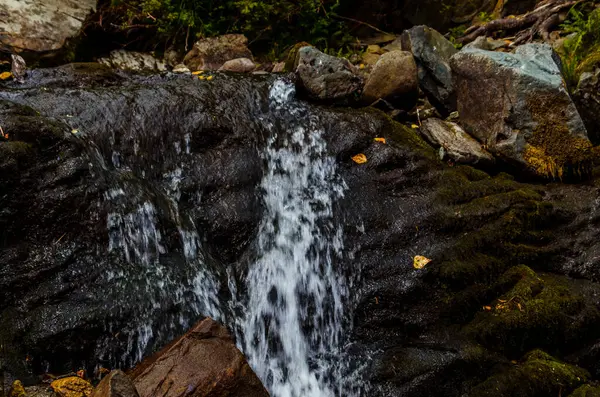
455, 33
581, 51
270, 24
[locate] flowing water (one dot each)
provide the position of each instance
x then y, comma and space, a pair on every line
294, 326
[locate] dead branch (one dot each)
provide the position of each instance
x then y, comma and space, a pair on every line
541, 21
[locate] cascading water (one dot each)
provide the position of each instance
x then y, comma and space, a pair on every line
294, 323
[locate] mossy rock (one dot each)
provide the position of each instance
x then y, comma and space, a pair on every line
291, 60
586, 391
538, 375
534, 311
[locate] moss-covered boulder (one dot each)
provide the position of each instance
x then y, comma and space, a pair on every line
537, 375
586, 391
533, 310
518, 106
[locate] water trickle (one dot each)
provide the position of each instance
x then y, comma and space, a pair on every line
294, 327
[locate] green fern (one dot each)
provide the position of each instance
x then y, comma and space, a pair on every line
581, 51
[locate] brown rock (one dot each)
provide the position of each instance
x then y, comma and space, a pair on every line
212, 53
239, 65
394, 78
202, 363
72, 386
370, 58
115, 384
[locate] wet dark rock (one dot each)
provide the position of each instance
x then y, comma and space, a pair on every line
78, 134
432, 52
327, 78
203, 363
518, 106
239, 65
115, 384
587, 99
586, 391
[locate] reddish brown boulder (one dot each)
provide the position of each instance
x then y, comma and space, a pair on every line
115, 384
202, 363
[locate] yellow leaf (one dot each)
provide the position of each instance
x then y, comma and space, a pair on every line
198, 72
74, 131
519, 306
5, 75
359, 158
487, 308
362, 66
209, 78
201, 77
419, 262
382, 140
414, 126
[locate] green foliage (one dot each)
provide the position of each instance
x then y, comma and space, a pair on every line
485, 17
581, 51
270, 24
455, 33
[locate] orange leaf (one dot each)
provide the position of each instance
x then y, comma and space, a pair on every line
488, 308
360, 158
419, 262
382, 140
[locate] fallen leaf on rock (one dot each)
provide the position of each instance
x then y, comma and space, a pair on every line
201, 77
487, 308
209, 78
414, 126
419, 262
198, 72
359, 158
5, 75
382, 140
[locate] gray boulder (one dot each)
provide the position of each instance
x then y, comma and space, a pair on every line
432, 53
394, 78
518, 106
587, 99
133, 61
211, 53
325, 77
454, 143
41, 26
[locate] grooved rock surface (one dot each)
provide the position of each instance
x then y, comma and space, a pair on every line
202, 363
41, 25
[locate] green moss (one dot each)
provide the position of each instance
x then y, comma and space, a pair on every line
291, 61
534, 311
15, 150
537, 375
586, 391
552, 151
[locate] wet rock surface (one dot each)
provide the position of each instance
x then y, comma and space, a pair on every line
115, 384
513, 264
133, 61
587, 99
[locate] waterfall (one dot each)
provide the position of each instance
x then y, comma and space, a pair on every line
295, 294
294, 324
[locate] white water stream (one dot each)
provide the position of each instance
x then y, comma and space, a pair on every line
294, 325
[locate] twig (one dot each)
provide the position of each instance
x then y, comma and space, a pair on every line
360, 22
61, 237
